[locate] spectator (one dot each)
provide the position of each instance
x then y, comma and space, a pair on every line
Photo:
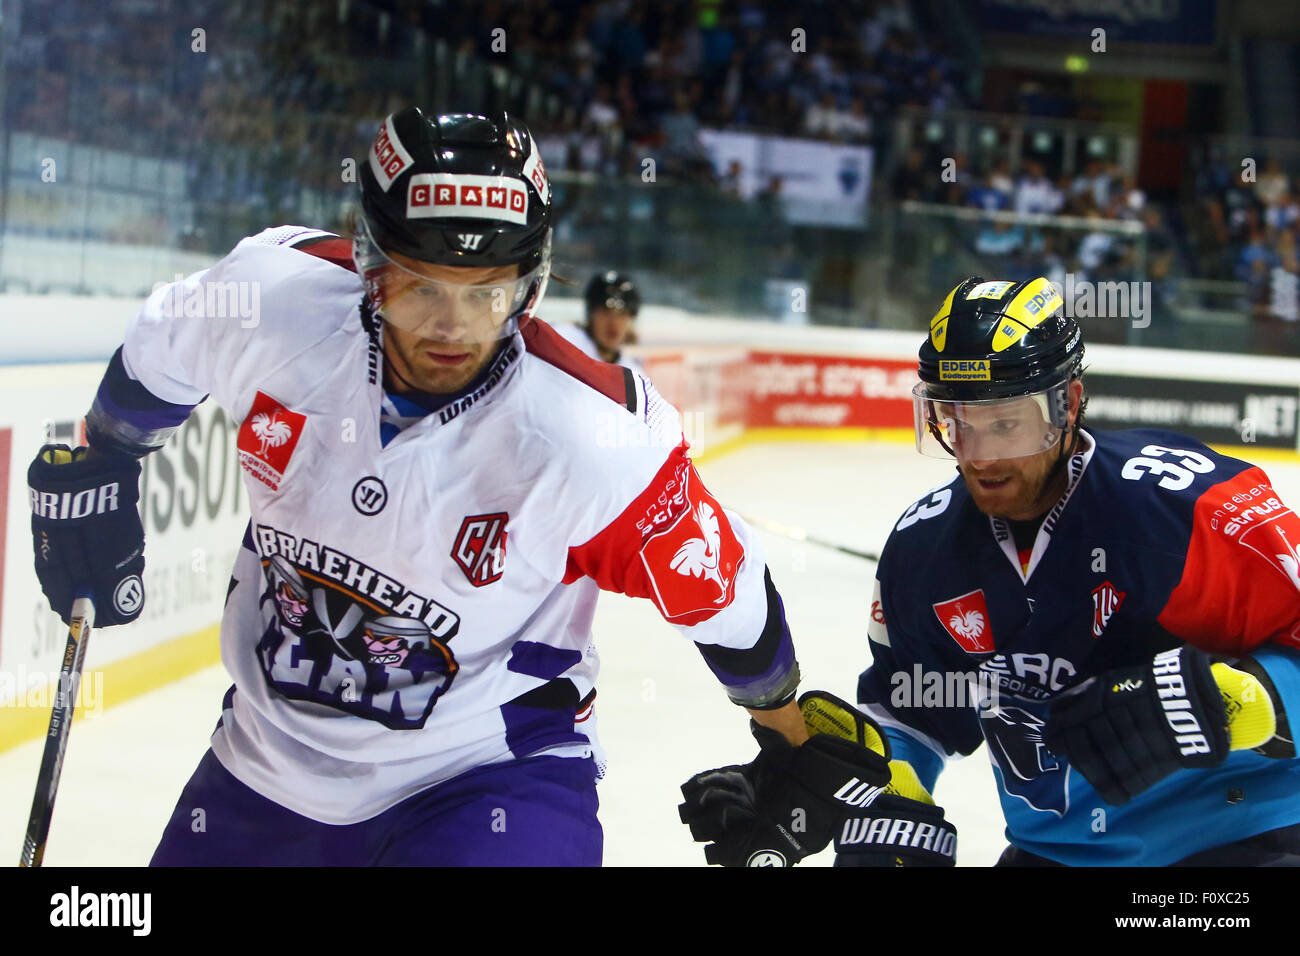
1273, 183
1283, 213
1035, 192
1094, 183
983, 195
822, 119
999, 240
1000, 181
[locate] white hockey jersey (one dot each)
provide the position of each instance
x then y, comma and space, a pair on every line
402, 613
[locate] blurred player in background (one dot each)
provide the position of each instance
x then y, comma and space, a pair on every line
408, 624
1126, 606
612, 302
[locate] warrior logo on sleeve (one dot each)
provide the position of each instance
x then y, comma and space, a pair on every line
342, 634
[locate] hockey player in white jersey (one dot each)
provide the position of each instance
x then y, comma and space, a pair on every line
612, 302
438, 485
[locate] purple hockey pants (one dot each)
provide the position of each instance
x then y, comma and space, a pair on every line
538, 811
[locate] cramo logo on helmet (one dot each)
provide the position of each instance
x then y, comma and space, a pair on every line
964, 370
465, 195
388, 157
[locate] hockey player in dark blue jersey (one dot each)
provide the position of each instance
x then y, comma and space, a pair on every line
1116, 614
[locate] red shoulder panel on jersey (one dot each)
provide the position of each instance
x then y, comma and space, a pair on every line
612, 381
673, 544
333, 249
1241, 579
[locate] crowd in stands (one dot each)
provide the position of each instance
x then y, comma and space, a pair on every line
262, 98
1247, 228
1238, 229
1088, 245
263, 101
642, 79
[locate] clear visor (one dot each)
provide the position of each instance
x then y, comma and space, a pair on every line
989, 429
443, 309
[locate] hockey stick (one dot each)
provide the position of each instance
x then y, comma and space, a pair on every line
799, 534
56, 741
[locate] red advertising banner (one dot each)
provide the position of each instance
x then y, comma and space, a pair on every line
829, 391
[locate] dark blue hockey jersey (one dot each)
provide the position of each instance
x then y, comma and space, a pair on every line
1158, 541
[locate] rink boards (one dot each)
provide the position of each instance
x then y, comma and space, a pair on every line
736, 383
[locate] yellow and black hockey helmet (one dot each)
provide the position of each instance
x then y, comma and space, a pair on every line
995, 339
993, 342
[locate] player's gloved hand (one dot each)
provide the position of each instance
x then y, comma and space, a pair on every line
86, 531
900, 827
1129, 728
789, 801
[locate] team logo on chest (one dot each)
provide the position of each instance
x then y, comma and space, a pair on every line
267, 438
1105, 602
341, 633
966, 619
480, 548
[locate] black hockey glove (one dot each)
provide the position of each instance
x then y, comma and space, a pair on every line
1128, 729
789, 801
900, 827
87, 533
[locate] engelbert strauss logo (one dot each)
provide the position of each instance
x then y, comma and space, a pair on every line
267, 438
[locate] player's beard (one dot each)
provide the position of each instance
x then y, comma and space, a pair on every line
407, 358
1028, 486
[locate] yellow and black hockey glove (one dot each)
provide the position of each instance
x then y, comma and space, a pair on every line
899, 825
789, 801
1129, 728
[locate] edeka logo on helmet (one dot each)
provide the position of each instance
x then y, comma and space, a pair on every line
452, 242
999, 391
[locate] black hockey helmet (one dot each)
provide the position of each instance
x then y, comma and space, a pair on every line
612, 290
456, 189
990, 342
